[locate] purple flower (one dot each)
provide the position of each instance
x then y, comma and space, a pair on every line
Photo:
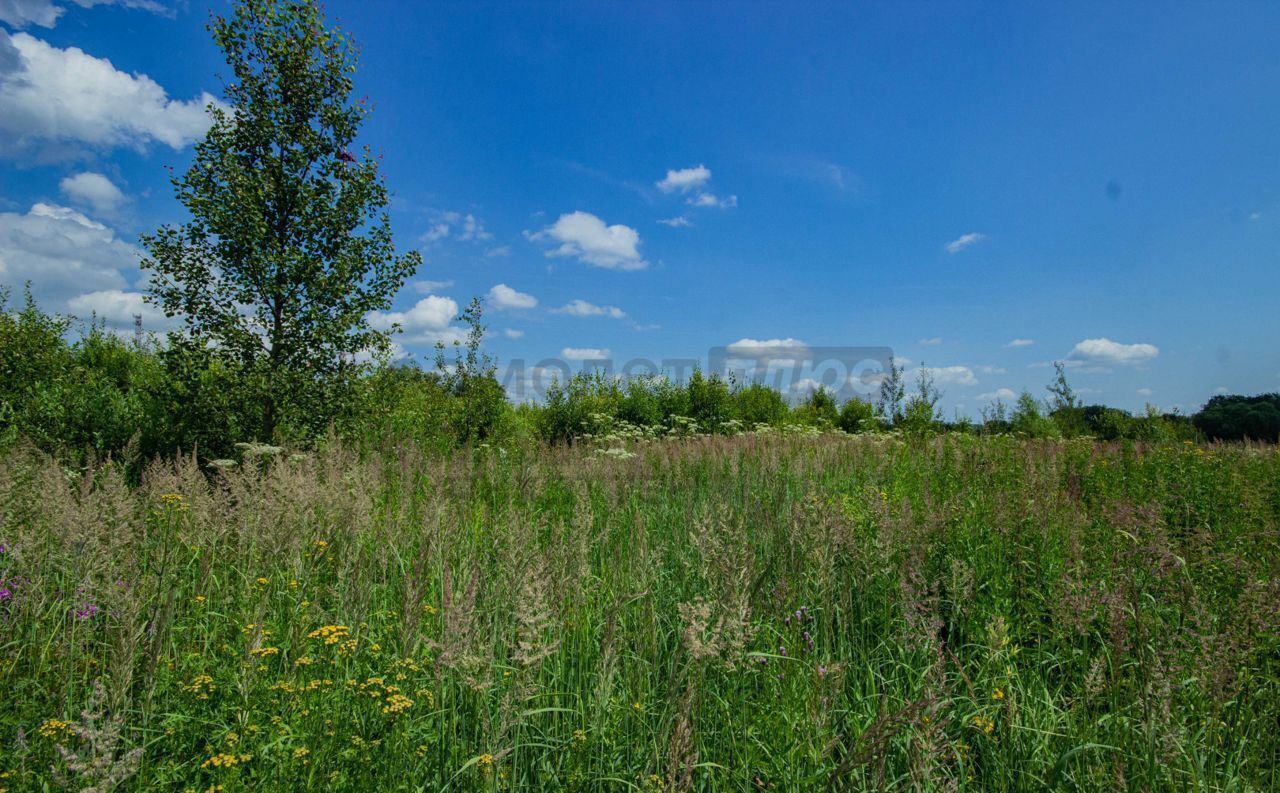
782, 651
89, 610
822, 671
5, 594
4, 548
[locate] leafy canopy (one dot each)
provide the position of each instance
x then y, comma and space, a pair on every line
288, 245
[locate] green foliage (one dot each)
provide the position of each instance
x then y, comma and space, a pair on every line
757, 404
288, 245
920, 415
857, 415
1030, 419
776, 612
1235, 418
818, 410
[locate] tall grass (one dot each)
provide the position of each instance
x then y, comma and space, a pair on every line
758, 612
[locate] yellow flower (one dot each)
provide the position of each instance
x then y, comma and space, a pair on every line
427, 608
54, 728
263, 581
997, 694
396, 704
301, 752
485, 763
322, 544
637, 707
263, 652
983, 723
222, 760
199, 600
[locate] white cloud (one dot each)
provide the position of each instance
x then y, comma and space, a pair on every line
512, 333
501, 250
677, 222
581, 308
63, 254
455, 225
586, 236
65, 98
1145, 391
933, 342
768, 347
118, 307
964, 241
710, 200
999, 393
427, 321
44, 13
990, 369
504, 297
427, 287
948, 375
93, 189
1020, 343
1255, 215
20, 13
685, 179
584, 353
1104, 352
1221, 390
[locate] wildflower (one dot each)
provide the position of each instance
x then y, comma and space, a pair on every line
579, 738
983, 723
330, 634
200, 685
199, 600
222, 760
997, 694
637, 707
54, 728
263, 652
427, 608
301, 752
322, 544
263, 581
822, 671
88, 611
485, 763
396, 704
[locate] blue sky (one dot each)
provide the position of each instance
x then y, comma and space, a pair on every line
1101, 181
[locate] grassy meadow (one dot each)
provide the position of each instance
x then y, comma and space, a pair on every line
768, 611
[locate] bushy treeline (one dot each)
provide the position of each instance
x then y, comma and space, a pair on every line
99, 392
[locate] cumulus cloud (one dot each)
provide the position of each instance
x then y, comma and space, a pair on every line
1145, 391
932, 342
1019, 343
502, 297
512, 333
584, 353
685, 180
119, 308
948, 375
63, 254
581, 308
427, 321
586, 236
93, 189
768, 347
677, 222
964, 241
999, 393
54, 100
1105, 352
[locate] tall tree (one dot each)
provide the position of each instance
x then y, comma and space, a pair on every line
288, 245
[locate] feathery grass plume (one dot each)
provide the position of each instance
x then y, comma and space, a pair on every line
96, 764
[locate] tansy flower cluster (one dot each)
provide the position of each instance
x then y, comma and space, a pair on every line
54, 728
221, 760
331, 634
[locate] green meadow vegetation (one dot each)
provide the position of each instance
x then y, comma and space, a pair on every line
765, 611
261, 554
